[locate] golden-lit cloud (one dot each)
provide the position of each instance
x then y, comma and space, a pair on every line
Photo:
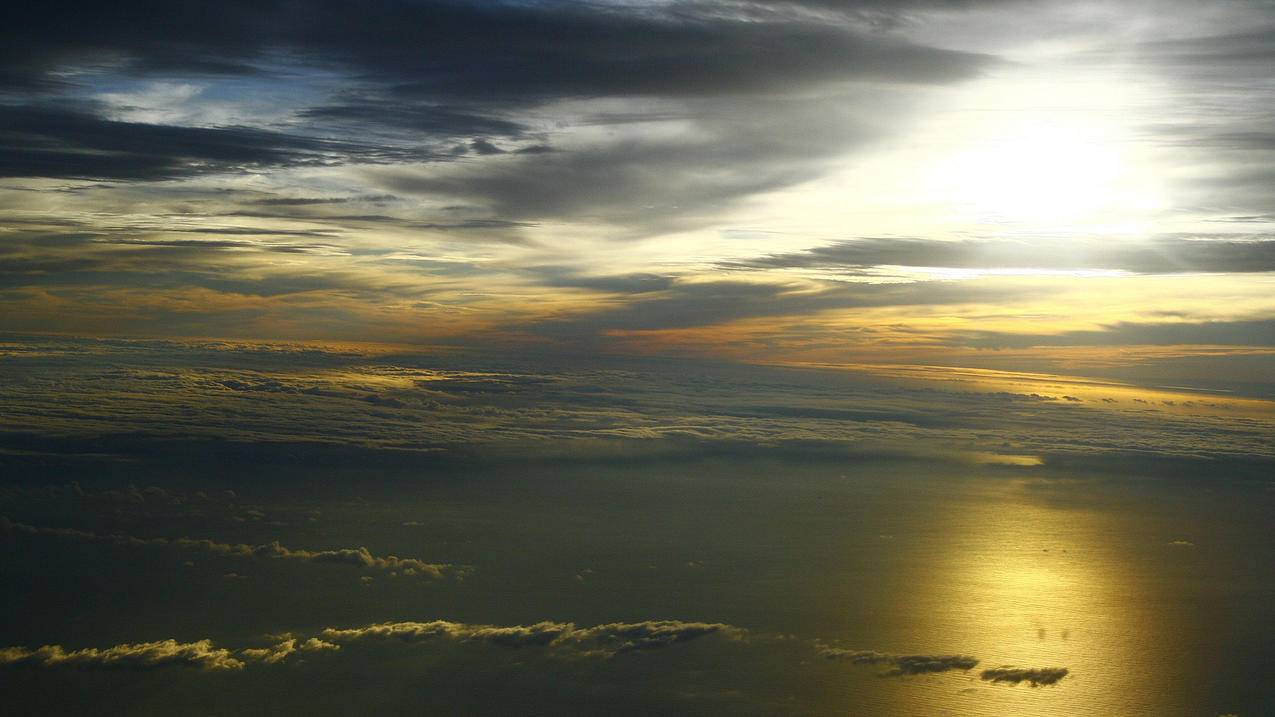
356, 557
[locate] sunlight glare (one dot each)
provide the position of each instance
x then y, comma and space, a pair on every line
1067, 164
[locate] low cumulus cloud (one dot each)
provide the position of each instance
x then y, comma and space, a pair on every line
901, 665
905, 665
286, 648
1034, 676
359, 557
601, 640
608, 639
201, 654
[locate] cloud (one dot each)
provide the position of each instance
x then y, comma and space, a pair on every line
1256, 332
1164, 255
62, 395
437, 121
541, 633
44, 141
357, 557
602, 640
314, 644
137, 656
285, 649
272, 655
460, 50
652, 176
201, 654
901, 665
685, 303
641, 283
489, 103
1204, 52
609, 639
1034, 676
618, 637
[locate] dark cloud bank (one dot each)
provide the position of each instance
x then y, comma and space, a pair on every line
411, 82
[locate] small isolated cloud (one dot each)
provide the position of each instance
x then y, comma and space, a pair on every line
609, 639
143, 655
601, 640
1034, 676
358, 557
1181, 543
901, 665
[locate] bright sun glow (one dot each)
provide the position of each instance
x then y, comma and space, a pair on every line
1043, 173
1066, 164
1019, 153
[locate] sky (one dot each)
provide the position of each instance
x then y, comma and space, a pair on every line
1064, 187
727, 357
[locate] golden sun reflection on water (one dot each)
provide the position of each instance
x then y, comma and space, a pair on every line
1015, 582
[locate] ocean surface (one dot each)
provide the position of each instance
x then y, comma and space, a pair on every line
818, 577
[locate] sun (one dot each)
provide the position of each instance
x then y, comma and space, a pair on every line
1049, 173
1048, 164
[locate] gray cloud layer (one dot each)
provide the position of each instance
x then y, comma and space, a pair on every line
468, 94
45, 141
1166, 255
1258, 332
466, 51
277, 394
